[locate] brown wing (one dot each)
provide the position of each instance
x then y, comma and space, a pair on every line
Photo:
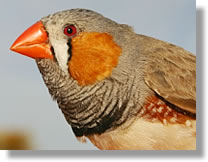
171, 73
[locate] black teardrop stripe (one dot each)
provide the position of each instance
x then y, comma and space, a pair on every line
69, 50
107, 122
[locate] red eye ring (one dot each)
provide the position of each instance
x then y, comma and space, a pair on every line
70, 30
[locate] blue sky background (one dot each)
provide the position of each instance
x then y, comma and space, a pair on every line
25, 101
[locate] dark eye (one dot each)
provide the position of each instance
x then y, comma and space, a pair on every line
70, 30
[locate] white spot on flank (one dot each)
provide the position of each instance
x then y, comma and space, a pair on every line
154, 120
159, 103
160, 109
188, 123
142, 112
166, 114
165, 121
173, 120
150, 106
169, 109
154, 110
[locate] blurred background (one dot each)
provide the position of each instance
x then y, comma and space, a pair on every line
29, 119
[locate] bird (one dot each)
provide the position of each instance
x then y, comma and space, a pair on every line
116, 88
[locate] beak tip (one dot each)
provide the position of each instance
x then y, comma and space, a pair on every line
12, 48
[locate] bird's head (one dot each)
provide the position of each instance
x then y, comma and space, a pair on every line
83, 43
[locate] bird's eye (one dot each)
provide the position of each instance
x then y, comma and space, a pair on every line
70, 30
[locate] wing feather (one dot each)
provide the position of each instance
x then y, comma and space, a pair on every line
171, 73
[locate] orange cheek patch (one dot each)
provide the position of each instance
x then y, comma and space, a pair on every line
94, 55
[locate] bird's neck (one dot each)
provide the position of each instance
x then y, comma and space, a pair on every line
88, 109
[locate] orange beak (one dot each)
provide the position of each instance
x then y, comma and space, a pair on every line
33, 42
